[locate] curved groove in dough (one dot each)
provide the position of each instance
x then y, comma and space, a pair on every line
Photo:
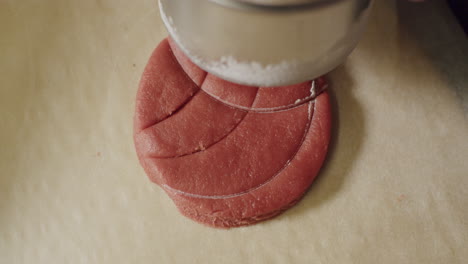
180, 107
310, 116
162, 69
315, 90
216, 141
183, 104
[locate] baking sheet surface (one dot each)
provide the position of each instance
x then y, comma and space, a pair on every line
394, 188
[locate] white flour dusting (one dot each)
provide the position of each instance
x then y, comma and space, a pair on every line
251, 72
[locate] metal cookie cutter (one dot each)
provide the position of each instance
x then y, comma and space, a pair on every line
266, 42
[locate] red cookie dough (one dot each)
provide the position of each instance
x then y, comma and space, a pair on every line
222, 164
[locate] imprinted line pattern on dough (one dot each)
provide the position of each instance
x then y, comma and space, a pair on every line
209, 146
312, 104
276, 109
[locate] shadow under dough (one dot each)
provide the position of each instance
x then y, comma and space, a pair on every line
446, 50
347, 135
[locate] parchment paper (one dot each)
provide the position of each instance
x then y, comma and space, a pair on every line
394, 188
